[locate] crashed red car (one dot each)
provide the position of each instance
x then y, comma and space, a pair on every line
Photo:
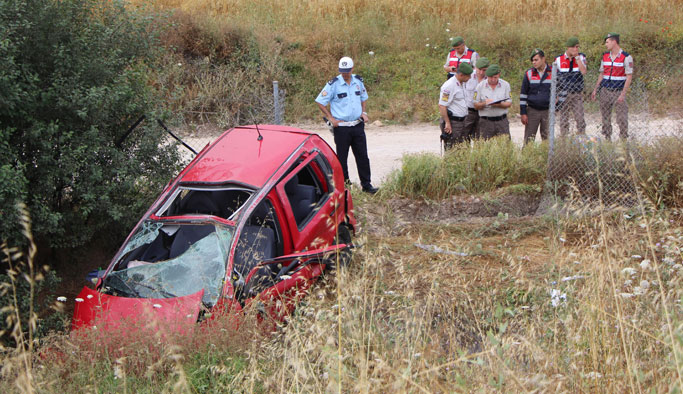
259, 214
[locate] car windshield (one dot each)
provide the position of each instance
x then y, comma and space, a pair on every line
172, 260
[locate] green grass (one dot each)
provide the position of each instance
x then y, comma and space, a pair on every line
484, 167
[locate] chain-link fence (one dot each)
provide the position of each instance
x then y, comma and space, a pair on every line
262, 109
594, 139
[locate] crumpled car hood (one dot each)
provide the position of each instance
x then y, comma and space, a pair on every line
97, 310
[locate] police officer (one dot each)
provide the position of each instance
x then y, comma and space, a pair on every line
346, 96
616, 72
493, 100
472, 119
571, 67
534, 97
459, 54
453, 106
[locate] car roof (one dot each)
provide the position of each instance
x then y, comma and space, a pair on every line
238, 156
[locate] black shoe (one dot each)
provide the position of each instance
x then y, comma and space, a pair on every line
370, 189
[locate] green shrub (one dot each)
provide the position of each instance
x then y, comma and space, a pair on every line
483, 167
74, 77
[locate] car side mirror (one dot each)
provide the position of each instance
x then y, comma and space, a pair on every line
95, 275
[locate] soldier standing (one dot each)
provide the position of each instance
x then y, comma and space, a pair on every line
472, 119
492, 100
453, 106
534, 98
571, 67
459, 54
616, 72
346, 96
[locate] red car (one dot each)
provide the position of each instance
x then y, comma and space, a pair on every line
258, 214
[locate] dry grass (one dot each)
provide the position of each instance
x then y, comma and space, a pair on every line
404, 319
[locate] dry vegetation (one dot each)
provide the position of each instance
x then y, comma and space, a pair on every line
299, 42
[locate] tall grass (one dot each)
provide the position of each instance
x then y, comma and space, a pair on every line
483, 167
409, 41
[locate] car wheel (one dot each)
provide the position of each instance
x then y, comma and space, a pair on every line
343, 236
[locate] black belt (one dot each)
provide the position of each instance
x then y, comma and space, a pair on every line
494, 118
456, 118
472, 109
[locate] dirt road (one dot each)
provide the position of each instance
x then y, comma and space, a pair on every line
388, 143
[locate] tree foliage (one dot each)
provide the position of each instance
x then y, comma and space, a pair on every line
74, 75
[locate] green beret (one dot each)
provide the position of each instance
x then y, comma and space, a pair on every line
465, 68
572, 42
457, 41
482, 62
612, 35
492, 70
537, 51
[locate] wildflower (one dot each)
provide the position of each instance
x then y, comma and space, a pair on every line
642, 225
157, 306
79, 299
427, 45
568, 278
180, 64
61, 299
595, 246
627, 216
628, 271
556, 297
628, 282
593, 375
448, 30
644, 284
417, 355
371, 53
89, 296
668, 260
678, 267
645, 265
284, 277
636, 256
626, 295
562, 239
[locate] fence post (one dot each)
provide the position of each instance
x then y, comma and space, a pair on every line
551, 111
277, 108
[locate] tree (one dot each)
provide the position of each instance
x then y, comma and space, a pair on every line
74, 75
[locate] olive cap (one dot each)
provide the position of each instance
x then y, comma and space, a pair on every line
492, 70
572, 42
465, 68
482, 62
457, 41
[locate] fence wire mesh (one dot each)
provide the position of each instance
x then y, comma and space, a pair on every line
266, 107
596, 141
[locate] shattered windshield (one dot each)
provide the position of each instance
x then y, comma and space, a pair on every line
172, 260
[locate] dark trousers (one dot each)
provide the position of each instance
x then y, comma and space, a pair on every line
608, 100
457, 135
354, 137
472, 124
537, 117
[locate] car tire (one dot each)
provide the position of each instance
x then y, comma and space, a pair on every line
343, 236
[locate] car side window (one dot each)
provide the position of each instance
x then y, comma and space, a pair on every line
307, 190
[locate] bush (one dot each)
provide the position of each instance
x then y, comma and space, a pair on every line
484, 167
73, 78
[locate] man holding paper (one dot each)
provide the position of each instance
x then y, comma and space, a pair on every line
492, 100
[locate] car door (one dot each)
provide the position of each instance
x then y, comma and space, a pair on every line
306, 194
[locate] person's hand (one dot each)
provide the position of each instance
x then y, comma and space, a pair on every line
447, 127
525, 119
595, 92
488, 101
365, 118
334, 121
621, 98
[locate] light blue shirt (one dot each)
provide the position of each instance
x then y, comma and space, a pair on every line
344, 99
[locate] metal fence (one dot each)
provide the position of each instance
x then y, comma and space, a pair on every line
267, 109
594, 142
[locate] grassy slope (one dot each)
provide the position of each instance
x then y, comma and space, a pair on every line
303, 41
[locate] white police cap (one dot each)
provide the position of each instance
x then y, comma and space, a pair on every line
345, 64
